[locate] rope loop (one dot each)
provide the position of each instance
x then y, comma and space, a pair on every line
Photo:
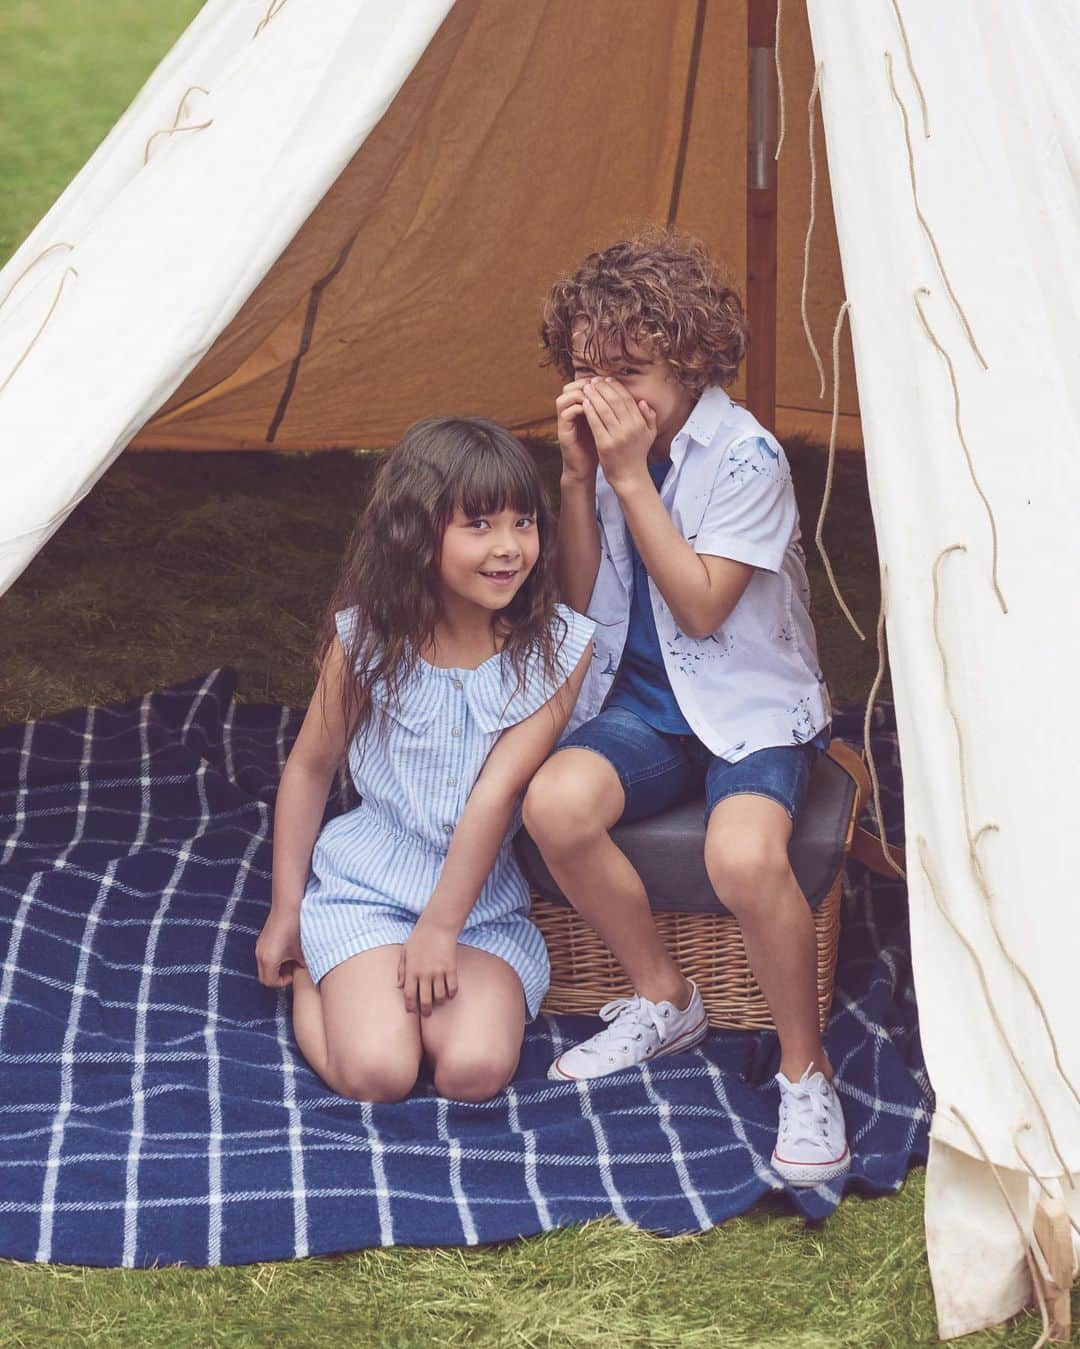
68, 271
30, 267
273, 10
175, 127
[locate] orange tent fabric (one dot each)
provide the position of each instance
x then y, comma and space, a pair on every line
525, 136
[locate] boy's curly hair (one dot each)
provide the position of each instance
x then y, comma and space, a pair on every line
660, 290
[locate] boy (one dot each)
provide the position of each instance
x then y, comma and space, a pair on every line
679, 537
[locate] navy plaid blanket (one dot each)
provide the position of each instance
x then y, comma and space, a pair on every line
155, 1108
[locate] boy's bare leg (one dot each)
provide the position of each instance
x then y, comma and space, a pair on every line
747, 860
571, 804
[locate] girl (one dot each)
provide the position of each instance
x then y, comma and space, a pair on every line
448, 672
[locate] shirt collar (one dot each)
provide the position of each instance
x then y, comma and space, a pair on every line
704, 421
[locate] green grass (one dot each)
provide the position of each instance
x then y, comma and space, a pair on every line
761, 1280
67, 71
177, 563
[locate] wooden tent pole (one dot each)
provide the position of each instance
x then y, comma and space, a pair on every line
761, 211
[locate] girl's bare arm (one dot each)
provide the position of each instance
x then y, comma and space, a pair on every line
301, 801
510, 766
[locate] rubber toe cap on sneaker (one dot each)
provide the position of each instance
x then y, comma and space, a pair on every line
805, 1175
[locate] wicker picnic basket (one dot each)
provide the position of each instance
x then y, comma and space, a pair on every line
707, 946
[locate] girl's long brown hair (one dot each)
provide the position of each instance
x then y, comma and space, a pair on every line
391, 574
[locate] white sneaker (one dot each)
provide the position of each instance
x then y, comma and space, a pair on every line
811, 1143
639, 1031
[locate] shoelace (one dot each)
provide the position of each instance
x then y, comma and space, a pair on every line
627, 1018
806, 1103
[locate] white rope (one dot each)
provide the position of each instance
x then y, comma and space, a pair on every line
1025, 1244
68, 271
30, 267
779, 82
964, 445
810, 232
912, 71
923, 220
819, 532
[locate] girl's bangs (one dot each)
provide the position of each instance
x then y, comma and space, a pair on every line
493, 479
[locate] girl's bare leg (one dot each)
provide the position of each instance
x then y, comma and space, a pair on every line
307, 1016
354, 1030
474, 1039
571, 804
746, 856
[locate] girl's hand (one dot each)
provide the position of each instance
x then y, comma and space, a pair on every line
623, 430
278, 949
575, 439
427, 970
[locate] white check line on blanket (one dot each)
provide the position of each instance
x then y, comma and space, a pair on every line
133, 892
771, 1179
20, 800
67, 1085
478, 1155
528, 1138
138, 1102
214, 1064
378, 1170
288, 1076
11, 962
468, 1227
603, 1156
678, 1157
341, 1192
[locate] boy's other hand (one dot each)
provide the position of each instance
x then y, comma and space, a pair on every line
623, 430
575, 439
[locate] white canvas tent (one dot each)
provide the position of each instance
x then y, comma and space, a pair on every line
317, 222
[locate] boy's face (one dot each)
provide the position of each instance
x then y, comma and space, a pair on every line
643, 377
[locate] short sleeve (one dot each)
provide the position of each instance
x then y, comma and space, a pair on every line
495, 697
751, 511
346, 621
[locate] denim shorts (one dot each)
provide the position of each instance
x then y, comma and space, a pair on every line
658, 770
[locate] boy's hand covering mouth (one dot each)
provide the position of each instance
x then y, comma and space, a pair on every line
623, 430
575, 438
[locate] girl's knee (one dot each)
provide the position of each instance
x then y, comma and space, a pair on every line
374, 1081
472, 1076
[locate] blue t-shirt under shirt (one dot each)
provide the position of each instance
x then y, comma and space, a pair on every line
642, 685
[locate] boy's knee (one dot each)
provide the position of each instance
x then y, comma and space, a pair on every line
747, 874
371, 1081
470, 1076
561, 808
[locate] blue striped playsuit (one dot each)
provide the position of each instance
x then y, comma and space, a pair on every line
374, 868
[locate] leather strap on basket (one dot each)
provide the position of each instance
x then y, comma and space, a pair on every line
861, 844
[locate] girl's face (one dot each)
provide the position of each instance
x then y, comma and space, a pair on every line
487, 558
